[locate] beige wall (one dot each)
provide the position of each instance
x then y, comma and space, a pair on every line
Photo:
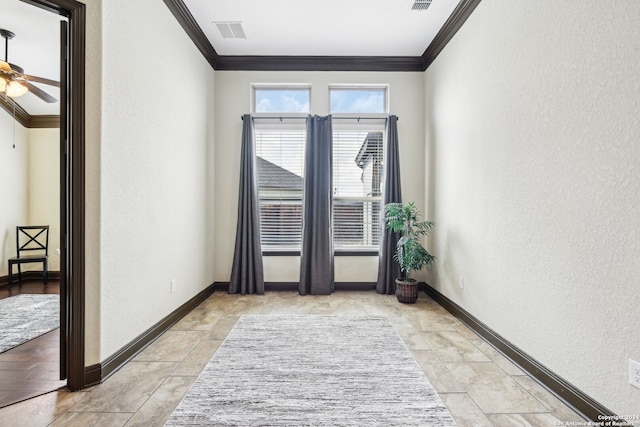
44, 187
29, 174
233, 100
533, 130
149, 190
14, 181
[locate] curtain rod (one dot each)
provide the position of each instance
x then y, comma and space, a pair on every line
304, 117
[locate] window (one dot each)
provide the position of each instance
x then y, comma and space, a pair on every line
280, 165
279, 99
357, 181
357, 165
358, 99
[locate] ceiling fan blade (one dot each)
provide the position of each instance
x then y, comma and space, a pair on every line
39, 92
42, 80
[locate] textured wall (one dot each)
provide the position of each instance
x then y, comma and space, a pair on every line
156, 109
44, 188
14, 181
533, 131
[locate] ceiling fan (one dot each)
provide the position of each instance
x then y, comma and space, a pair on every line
13, 81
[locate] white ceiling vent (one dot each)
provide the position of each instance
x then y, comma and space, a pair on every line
230, 30
421, 5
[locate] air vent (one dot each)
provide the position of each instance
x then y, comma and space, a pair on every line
230, 30
421, 5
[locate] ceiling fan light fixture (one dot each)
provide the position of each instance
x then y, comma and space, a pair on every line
15, 89
3, 84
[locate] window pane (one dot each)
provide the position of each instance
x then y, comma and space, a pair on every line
358, 100
281, 100
357, 180
280, 164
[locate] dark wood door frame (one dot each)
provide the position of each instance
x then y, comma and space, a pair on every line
72, 215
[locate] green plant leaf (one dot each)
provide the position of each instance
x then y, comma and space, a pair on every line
410, 254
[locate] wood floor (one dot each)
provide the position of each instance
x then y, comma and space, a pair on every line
32, 368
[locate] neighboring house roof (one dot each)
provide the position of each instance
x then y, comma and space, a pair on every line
271, 175
370, 150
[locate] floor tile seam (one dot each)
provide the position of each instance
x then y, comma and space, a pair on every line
553, 394
547, 411
520, 413
100, 412
185, 376
474, 402
191, 330
535, 397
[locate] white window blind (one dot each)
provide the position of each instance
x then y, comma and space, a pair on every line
280, 164
357, 182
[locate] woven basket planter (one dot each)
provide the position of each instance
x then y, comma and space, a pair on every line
407, 290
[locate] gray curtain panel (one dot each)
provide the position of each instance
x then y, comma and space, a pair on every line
388, 268
247, 276
316, 261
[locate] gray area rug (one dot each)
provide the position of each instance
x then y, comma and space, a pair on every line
27, 316
299, 370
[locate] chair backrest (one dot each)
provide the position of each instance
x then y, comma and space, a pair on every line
31, 238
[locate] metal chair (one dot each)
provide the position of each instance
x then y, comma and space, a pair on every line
32, 246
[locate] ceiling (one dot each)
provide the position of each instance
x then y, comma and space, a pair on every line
323, 28
328, 35
381, 30
36, 48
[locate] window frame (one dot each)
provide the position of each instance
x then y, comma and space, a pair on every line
374, 122
384, 88
279, 87
283, 125
344, 121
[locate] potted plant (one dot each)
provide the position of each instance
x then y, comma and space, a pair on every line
410, 253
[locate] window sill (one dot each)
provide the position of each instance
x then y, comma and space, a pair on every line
336, 253
355, 253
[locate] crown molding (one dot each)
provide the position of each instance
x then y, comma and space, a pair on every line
44, 122
15, 110
27, 120
320, 63
459, 16
193, 30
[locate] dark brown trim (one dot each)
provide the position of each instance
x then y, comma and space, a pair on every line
221, 286
280, 253
27, 120
355, 253
193, 30
31, 276
97, 373
76, 175
459, 16
21, 115
293, 286
320, 63
335, 253
561, 387
44, 122
73, 228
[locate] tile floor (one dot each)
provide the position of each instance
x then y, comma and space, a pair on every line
479, 385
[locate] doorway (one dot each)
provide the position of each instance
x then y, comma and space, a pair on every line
72, 188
